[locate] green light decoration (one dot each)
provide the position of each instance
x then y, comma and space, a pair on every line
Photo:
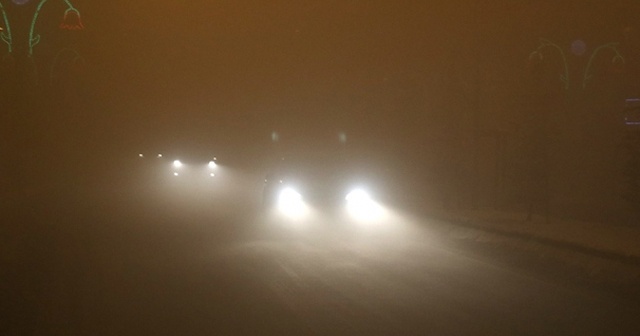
5, 35
70, 21
544, 43
616, 58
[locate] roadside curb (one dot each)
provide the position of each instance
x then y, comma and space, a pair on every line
558, 260
630, 260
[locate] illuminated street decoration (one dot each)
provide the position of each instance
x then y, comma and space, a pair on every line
70, 21
5, 34
537, 56
616, 60
578, 48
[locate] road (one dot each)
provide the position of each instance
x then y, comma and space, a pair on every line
135, 263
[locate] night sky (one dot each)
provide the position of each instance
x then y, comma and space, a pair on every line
171, 67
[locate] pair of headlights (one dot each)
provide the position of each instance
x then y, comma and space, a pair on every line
359, 204
178, 165
355, 196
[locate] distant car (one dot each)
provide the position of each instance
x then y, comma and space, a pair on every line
202, 168
180, 167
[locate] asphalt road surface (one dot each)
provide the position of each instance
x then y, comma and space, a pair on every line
164, 262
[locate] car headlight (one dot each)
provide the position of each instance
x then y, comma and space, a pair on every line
176, 164
361, 206
290, 203
289, 196
358, 196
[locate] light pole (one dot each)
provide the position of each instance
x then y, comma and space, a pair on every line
71, 20
557, 136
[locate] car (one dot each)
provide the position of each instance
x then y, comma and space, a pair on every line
202, 168
179, 167
296, 186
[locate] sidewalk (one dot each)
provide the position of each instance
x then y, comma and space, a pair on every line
623, 241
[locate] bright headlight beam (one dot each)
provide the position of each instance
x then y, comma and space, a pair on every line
358, 195
212, 164
290, 203
177, 164
361, 207
289, 195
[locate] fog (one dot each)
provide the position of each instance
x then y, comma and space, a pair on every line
523, 106
447, 92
